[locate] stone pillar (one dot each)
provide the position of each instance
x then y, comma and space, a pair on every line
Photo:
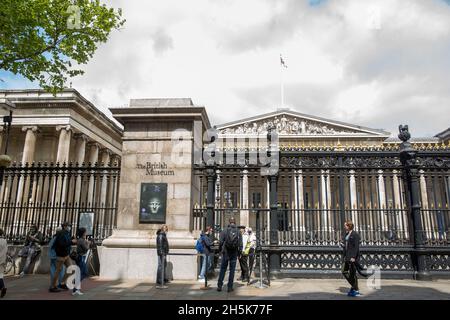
130, 252
400, 215
324, 203
296, 212
244, 213
93, 160
102, 219
274, 258
23, 188
62, 159
80, 148
30, 144
218, 216
353, 198
382, 199
426, 216
267, 226
80, 153
65, 135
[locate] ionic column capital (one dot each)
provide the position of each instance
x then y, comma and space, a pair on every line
93, 144
81, 136
67, 127
106, 150
34, 129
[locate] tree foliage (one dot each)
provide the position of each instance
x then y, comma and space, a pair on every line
41, 39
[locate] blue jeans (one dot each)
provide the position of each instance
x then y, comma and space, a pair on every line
83, 268
227, 259
53, 270
205, 267
161, 275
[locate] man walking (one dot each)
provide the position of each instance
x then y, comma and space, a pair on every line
230, 246
351, 258
62, 245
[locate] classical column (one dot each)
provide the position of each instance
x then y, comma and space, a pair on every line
93, 160
300, 201
65, 135
80, 148
324, 202
267, 226
382, 199
400, 216
105, 160
23, 188
244, 213
218, 217
30, 144
62, 159
426, 215
353, 198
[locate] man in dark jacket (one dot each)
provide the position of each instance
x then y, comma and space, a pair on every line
230, 246
351, 257
206, 255
62, 245
162, 248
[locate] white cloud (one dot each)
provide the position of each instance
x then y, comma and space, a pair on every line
377, 66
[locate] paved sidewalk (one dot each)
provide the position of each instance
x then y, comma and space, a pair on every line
36, 287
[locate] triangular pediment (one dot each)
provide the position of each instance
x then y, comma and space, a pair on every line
292, 123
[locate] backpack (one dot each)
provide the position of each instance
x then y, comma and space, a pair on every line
232, 239
199, 245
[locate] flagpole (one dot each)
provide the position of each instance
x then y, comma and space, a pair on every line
282, 86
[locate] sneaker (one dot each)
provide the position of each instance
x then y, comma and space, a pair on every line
230, 290
350, 292
3, 292
21, 275
77, 293
201, 280
219, 289
354, 293
54, 290
63, 287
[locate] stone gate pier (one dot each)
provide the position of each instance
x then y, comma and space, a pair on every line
160, 140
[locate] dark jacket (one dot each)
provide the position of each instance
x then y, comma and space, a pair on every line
207, 243
162, 245
222, 247
36, 241
63, 243
82, 246
351, 246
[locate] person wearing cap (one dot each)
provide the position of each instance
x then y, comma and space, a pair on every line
62, 245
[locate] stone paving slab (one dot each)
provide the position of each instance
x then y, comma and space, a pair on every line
35, 287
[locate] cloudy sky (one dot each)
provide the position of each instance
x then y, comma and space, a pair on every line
376, 64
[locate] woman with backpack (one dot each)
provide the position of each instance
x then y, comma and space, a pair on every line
203, 247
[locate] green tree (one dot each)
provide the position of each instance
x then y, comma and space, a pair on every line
41, 39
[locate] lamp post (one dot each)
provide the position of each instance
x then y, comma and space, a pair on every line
6, 108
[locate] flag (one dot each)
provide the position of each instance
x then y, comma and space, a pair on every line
282, 62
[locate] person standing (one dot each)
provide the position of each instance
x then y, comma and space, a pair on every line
63, 244
52, 256
206, 254
162, 248
351, 258
230, 245
31, 249
3, 252
248, 253
81, 251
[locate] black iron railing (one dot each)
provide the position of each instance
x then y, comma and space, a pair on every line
48, 194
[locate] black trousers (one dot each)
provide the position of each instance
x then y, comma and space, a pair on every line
246, 262
349, 272
161, 275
